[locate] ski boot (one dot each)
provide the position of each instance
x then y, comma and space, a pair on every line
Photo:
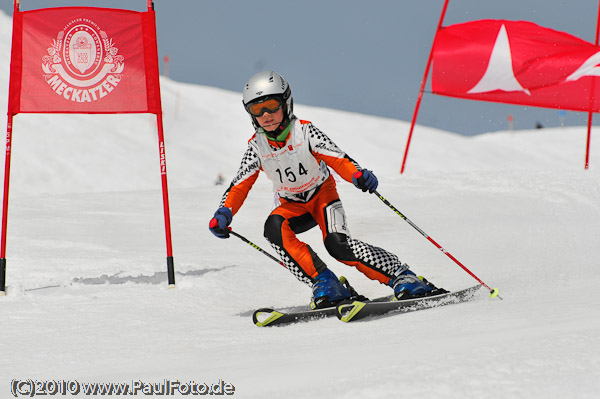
328, 290
407, 285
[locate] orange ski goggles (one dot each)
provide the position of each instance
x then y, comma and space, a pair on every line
270, 105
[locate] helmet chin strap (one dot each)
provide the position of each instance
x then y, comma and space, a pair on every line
273, 133
279, 134
272, 124
277, 131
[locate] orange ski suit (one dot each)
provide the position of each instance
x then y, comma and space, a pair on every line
306, 205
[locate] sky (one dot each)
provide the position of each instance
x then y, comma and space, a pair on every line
351, 55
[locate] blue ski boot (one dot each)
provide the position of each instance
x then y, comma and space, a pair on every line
327, 290
407, 285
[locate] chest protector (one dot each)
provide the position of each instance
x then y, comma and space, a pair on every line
293, 169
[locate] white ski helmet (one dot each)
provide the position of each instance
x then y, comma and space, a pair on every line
269, 84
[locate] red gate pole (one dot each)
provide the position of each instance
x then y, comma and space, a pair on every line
165, 189
423, 82
590, 114
589, 137
5, 205
9, 128
165, 192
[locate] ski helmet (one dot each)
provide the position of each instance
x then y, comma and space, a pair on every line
268, 84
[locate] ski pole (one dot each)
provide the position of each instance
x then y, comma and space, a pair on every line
253, 245
493, 292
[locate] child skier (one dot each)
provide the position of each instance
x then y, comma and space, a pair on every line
296, 157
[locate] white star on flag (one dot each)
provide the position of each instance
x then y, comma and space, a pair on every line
499, 74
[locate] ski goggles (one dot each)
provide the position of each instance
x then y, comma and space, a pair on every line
270, 105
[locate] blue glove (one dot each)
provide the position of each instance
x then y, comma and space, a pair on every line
218, 224
365, 180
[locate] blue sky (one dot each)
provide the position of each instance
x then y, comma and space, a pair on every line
351, 55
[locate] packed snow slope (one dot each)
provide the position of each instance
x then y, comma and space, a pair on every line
87, 297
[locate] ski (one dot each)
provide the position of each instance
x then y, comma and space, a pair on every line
358, 310
266, 317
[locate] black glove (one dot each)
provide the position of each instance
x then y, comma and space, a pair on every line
365, 180
218, 224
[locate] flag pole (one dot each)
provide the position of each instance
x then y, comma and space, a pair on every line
165, 189
423, 82
590, 113
589, 136
5, 204
9, 128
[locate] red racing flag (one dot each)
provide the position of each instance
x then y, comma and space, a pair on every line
84, 60
516, 62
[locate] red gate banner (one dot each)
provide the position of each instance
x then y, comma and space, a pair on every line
84, 60
516, 62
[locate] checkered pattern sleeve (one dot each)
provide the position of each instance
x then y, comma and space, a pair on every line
323, 148
240, 186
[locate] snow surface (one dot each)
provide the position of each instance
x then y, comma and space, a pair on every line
87, 296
